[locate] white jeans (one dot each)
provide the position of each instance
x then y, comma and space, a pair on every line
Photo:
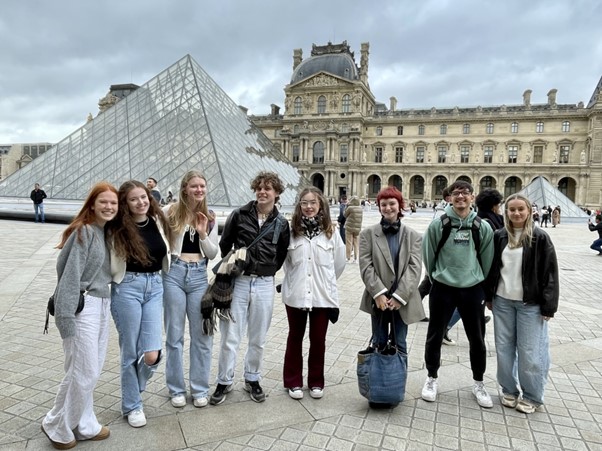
252, 305
72, 416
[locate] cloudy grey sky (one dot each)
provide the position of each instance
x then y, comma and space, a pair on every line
59, 57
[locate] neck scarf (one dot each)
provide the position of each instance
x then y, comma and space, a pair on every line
390, 228
311, 226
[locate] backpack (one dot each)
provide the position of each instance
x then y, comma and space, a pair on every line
475, 230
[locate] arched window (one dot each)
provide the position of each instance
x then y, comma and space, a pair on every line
489, 128
421, 129
318, 152
297, 106
321, 105
466, 129
514, 127
566, 126
443, 129
346, 103
539, 127
379, 131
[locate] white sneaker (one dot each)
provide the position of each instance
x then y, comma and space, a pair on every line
509, 401
178, 401
295, 393
316, 392
429, 391
136, 418
200, 402
483, 398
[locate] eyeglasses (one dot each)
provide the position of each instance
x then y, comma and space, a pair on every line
308, 203
461, 193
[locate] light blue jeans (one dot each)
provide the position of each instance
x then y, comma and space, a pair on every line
136, 305
252, 306
39, 212
184, 286
522, 345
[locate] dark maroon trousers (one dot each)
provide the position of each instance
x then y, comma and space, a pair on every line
293, 358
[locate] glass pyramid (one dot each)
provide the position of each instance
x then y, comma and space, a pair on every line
541, 192
179, 120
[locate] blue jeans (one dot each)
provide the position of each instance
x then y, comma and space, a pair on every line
597, 245
522, 345
380, 329
252, 306
184, 286
39, 212
454, 319
136, 305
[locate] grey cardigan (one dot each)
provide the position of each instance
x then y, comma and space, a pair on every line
80, 266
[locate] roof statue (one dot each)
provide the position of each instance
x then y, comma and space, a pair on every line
177, 121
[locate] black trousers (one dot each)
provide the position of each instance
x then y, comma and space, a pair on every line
470, 302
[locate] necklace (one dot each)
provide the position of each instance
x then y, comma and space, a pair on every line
143, 224
262, 216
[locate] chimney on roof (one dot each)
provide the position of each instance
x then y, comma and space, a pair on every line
275, 109
552, 96
297, 57
527, 97
393, 104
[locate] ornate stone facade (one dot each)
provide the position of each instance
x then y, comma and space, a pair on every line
345, 142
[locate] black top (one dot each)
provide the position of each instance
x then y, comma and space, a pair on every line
157, 248
38, 196
191, 245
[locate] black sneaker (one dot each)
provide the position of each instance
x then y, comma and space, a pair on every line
448, 341
219, 395
255, 391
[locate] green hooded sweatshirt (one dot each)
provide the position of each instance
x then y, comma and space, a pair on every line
457, 264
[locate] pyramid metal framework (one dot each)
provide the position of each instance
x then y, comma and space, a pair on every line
541, 192
179, 120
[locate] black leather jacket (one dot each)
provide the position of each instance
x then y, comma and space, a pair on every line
539, 272
241, 228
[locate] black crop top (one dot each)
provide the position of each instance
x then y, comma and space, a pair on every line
191, 245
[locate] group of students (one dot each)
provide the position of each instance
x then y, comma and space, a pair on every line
146, 265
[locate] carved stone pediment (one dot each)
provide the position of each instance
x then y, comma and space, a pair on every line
321, 80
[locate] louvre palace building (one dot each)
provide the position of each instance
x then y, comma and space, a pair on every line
347, 143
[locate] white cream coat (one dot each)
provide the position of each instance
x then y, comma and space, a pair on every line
310, 271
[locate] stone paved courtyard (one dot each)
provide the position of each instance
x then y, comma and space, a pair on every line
31, 366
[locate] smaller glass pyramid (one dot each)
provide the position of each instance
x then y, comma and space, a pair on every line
541, 192
177, 121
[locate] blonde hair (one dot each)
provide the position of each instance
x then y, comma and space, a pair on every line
524, 240
185, 209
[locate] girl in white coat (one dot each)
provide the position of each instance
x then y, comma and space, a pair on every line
315, 259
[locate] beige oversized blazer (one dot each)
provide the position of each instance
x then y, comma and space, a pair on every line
378, 272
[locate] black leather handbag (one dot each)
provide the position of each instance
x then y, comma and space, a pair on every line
50, 308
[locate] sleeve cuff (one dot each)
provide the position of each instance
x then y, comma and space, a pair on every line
397, 298
383, 291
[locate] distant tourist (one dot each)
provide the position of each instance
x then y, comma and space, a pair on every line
151, 184
556, 216
523, 291
354, 215
37, 196
140, 238
83, 263
341, 218
545, 217
250, 313
597, 244
195, 243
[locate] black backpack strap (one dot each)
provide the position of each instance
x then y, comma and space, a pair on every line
476, 237
446, 231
